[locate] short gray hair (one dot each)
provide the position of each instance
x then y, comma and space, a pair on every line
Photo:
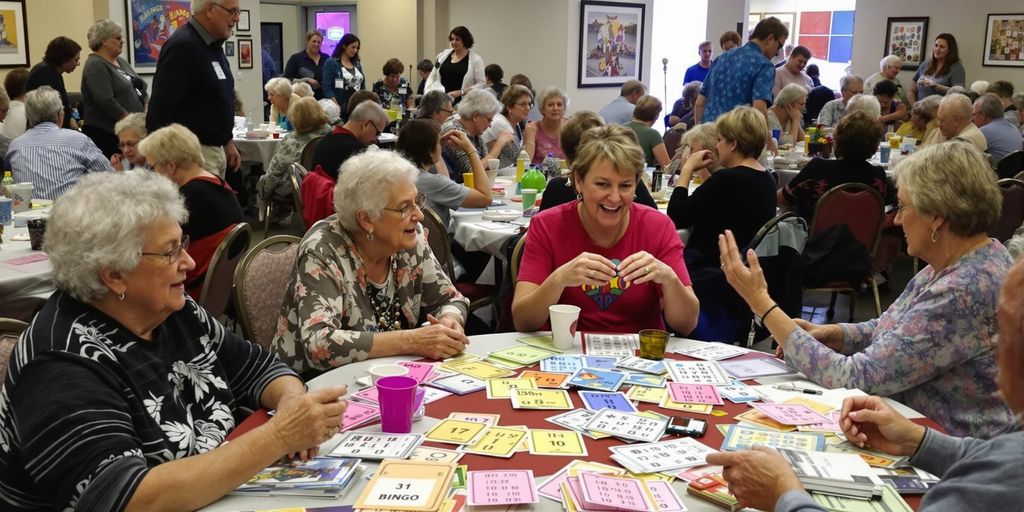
889, 60
954, 181
368, 111
957, 104
42, 105
480, 102
991, 106
102, 222
302, 90
844, 82
331, 108
790, 94
866, 103
979, 86
550, 92
928, 108
101, 31
135, 122
703, 134
279, 86
365, 182
433, 102
172, 144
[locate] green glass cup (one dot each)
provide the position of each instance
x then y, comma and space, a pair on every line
652, 344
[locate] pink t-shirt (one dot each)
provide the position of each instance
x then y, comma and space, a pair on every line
556, 236
546, 145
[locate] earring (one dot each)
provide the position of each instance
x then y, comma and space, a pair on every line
120, 297
634, 197
369, 235
579, 197
935, 235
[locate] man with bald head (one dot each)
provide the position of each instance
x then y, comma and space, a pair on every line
975, 474
954, 122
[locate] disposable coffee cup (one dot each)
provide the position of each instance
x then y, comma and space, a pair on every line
563, 324
387, 370
22, 195
493, 164
397, 399
492, 174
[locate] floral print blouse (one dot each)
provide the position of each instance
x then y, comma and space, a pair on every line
328, 320
934, 349
398, 98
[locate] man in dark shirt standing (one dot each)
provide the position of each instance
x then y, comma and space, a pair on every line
193, 84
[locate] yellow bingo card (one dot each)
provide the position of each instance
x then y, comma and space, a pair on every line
478, 369
557, 442
523, 354
502, 388
455, 431
541, 399
497, 442
645, 394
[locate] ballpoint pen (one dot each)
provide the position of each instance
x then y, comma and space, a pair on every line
790, 387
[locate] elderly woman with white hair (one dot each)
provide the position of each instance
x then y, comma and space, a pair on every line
173, 151
866, 103
280, 96
310, 122
889, 70
121, 349
130, 131
365, 281
923, 119
435, 105
542, 137
787, 114
476, 110
111, 89
934, 348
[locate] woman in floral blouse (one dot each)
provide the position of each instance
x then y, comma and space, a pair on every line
121, 392
394, 91
934, 348
310, 122
365, 279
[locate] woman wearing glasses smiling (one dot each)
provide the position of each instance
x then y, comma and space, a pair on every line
365, 279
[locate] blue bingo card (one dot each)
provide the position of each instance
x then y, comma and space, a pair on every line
561, 364
597, 400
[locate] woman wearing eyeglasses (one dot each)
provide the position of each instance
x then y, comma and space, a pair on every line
366, 284
474, 118
174, 152
516, 102
130, 131
122, 391
111, 89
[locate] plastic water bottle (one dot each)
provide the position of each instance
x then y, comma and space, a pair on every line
521, 162
6, 183
549, 166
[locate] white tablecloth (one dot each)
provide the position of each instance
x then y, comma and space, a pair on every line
21, 285
259, 151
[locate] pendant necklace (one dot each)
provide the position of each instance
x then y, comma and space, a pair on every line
385, 308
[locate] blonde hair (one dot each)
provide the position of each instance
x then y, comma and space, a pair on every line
306, 115
790, 94
954, 181
614, 144
573, 130
746, 127
647, 108
173, 144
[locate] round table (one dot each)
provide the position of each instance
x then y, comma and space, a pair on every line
23, 283
259, 151
542, 466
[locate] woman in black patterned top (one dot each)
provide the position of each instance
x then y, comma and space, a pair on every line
393, 90
122, 390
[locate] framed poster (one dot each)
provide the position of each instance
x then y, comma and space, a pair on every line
245, 54
1004, 38
13, 35
150, 24
271, 36
908, 38
787, 18
611, 43
229, 48
243, 21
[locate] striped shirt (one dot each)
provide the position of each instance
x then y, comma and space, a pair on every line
88, 409
53, 159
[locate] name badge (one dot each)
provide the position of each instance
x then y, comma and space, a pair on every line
339, 83
403, 90
220, 72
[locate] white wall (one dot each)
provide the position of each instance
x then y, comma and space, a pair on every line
679, 28
722, 15
292, 26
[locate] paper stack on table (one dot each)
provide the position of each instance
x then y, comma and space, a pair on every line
319, 477
407, 485
838, 474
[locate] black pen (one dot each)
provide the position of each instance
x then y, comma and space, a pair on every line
790, 387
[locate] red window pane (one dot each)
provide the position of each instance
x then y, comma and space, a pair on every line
815, 22
818, 45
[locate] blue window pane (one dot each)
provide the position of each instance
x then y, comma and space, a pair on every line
840, 49
842, 22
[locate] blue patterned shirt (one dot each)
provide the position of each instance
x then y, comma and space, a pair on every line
934, 349
737, 78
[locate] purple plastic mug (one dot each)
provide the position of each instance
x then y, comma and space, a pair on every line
396, 396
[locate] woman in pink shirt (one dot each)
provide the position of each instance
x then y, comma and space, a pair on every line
541, 137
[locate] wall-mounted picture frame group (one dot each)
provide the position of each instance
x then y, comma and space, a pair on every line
611, 43
1004, 40
908, 38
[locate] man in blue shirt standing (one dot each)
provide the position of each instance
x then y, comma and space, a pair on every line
744, 76
699, 71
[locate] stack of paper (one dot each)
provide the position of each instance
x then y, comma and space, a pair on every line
596, 491
837, 474
319, 478
407, 485
376, 445
713, 489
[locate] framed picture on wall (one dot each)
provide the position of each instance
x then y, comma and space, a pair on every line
908, 38
13, 35
787, 18
243, 21
229, 48
245, 55
270, 38
611, 43
1004, 38
150, 24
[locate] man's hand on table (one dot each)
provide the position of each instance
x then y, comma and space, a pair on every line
868, 421
758, 477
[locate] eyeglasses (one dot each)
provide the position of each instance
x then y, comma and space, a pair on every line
234, 13
377, 131
448, 111
406, 211
125, 145
527, 104
901, 207
174, 254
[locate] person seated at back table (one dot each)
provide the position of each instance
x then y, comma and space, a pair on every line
620, 262
923, 119
435, 105
419, 140
130, 130
174, 152
364, 125
309, 122
740, 197
476, 110
559, 190
699, 138
682, 109
933, 349
893, 111
516, 102
365, 279
856, 140
647, 110
787, 114
975, 474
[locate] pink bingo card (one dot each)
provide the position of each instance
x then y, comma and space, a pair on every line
609, 491
791, 414
501, 487
419, 371
695, 393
